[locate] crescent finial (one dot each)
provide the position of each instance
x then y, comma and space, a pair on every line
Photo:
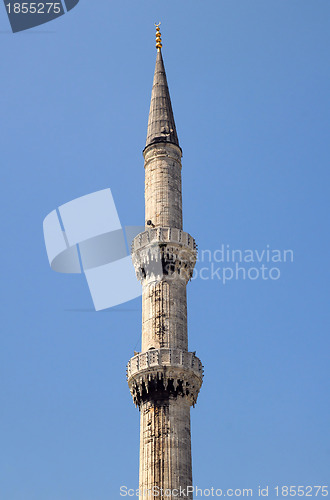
158, 37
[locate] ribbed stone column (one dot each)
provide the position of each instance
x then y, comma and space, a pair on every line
165, 451
164, 383
164, 315
163, 198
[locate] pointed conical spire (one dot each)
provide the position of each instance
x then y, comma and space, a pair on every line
161, 125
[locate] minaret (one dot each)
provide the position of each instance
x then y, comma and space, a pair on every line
165, 378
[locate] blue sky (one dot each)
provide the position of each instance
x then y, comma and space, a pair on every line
249, 82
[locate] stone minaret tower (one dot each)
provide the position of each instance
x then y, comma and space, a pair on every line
165, 378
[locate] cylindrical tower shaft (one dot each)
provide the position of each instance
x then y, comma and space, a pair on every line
165, 451
163, 198
165, 377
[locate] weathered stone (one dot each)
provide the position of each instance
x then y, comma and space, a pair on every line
165, 378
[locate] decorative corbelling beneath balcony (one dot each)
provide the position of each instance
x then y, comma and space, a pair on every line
164, 253
164, 373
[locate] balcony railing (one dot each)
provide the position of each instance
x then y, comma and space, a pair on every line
165, 235
164, 357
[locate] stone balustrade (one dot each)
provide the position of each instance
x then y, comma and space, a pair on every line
163, 235
164, 357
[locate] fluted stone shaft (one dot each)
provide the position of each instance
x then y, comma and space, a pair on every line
165, 451
163, 198
165, 441
164, 315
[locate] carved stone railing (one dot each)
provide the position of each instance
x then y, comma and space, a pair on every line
163, 235
164, 372
164, 357
164, 253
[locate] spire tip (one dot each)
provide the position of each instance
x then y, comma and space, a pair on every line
158, 37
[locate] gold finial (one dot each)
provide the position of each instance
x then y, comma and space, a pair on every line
158, 37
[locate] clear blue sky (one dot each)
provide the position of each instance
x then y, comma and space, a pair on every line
249, 81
